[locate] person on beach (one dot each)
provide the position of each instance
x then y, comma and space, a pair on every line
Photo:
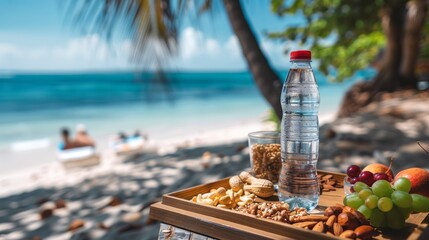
137, 133
82, 139
67, 143
122, 136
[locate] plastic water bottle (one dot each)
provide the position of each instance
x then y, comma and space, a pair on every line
298, 184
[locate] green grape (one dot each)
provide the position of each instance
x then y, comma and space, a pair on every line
354, 202
364, 193
366, 211
420, 203
359, 186
402, 184
395, 219
405, 212
378, 218
371, 201
401, 199
355, 194
382, 188
385, 204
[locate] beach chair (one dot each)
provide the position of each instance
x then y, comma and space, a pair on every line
78, 157
129, 146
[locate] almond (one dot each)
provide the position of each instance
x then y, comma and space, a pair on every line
348, 220
337, 229
364, 231
360, 217
357, 214
348, 234
327, 177
307, 218
331, 220
305, 224
333, 210
347, 209
319, 227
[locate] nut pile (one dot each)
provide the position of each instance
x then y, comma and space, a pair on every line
343, 222
224, 198
244, 189
328, 183
266, 161
340, 221
276, 211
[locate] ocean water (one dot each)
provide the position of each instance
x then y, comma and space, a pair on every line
36, 106
33, 107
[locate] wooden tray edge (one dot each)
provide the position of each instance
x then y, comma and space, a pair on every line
173, 200
190, 220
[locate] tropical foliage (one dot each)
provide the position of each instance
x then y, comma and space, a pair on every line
347, 35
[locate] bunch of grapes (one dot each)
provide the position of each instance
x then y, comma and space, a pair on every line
384, 205
354, 175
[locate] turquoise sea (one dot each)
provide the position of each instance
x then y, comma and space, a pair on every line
33, 107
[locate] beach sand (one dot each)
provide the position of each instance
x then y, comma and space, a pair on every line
130, 183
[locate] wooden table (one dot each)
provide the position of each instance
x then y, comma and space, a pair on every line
206, 222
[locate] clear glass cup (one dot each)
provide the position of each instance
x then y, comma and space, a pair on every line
265, 157
347, 186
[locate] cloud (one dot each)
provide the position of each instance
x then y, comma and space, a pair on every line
212, 46
196, 52
7, 50
233, 46
275, 52
82, 53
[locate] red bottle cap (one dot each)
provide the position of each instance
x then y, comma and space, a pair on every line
300, 55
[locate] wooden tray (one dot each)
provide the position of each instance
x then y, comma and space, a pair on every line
201, 216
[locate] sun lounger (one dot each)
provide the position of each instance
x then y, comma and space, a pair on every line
78, 157
131, 145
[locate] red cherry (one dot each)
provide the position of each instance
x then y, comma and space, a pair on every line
381, 176
366, 177
353, 171
352, 189
354, 180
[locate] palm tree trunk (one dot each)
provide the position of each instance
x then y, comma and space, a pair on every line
266, 79
416, 15
389, 77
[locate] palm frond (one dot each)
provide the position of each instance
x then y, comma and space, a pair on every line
151, 24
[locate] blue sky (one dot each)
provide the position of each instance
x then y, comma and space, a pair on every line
37, 36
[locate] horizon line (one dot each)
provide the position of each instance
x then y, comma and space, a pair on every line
97, 71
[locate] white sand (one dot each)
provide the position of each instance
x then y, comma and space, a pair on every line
49, 174
53, 174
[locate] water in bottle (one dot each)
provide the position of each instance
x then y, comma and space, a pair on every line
298, 184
